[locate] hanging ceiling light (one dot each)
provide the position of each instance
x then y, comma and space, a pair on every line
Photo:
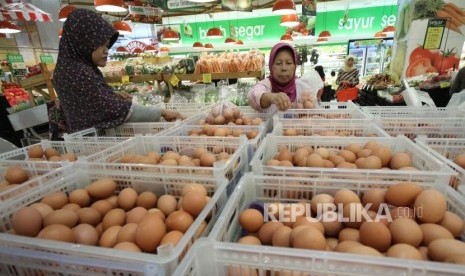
380, 34
60, 32
170, 35
323, 36
150, 49
239, 42
289, 20
121, 49
283, 7
208, 45
230, 40
286, 38
122, 27
389, 30
214, 33
65, 11
197, 45
7, 27
109, 5
164, 49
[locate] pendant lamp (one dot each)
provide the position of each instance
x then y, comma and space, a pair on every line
164, 49
208, 45
65, 11
121, 49
380, 35
150, 49
286, 38
230, 40
214, 33
283, 7
170, 35
239, 42
323, 36
289, 20
110, 5
122, 27
197, 45
7, 27
60, 32
389, 30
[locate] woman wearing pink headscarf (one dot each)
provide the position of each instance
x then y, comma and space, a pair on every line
282, 88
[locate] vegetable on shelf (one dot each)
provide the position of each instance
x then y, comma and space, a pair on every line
455, 16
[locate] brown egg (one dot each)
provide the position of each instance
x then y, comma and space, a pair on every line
55, 200
309, 238
315, 160
346, 165
348, 155
127, 198
432, 231
43, 208
290, 132
71, 207
157, 212
57, 232
353, 213
272, 162
113, 217
207, 159
149, 233
371, 145
323, 152
223, 156
89, 215
167, 204
345, 196
332, 226
172, 237
49, 152
403, 193
384, 153
102, 188
170, 155
109, 236
343, 246
249, 240
349, 234
35, 151
459, 159
331, 243
453, 223
85, 234
199, 152
281, 236
285, 155
336, 159
364, 250
194, 202
371, 162
219, 132
70, 156
62, 216
364, 153
80, 197
16, 175
127, 246
407, 231
442, 249
266, 231
103, 206
456, 259
302, 220
400, 159
376, 235
179, 220
375, 197
251, 220
27, 221
402, 212
430, 206
135, 215
113, 201
127, 233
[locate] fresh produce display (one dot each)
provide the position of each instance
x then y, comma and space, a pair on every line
380, 81
454, 14
100, 215
422, 61
33, 70
229, 62
14, 93
404, 221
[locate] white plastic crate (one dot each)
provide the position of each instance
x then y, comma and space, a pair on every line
39, 174
429, 167
323, 127
252, 144
232, 169
338, 105
187, 109
446, 150
81, 174
429, 127
408, 112
19, 261
268, 259
80, 148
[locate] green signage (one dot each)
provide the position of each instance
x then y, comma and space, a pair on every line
364, 21
47, 59
14, 58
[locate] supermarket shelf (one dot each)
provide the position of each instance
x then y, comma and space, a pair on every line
216, 76
138, 78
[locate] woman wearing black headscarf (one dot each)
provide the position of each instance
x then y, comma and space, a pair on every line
85, 97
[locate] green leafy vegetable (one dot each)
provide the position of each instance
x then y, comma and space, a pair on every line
426, 8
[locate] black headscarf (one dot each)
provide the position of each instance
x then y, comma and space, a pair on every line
85, 97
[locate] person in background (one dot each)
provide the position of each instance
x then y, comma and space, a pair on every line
282, 88
348, 76
321, 72
333, 83
459, 82
85, 97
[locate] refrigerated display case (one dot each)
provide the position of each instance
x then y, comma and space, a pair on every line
372, 56
331, 57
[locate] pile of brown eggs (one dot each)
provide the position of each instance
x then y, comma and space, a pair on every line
13, 176
369, 156
97, 215
212, 130
413, 224
37, 153
228, 115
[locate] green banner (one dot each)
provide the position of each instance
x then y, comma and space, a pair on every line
364, 21
47, 59
14, 58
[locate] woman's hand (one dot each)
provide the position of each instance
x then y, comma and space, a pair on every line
125, 96
281, 100
171, 116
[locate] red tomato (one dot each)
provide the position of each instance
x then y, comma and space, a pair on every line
420, 53
420, 67
442, 63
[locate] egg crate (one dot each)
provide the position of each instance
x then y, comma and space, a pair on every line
322, 127
429, 127
429, 167
323, 113
80, 175
227, 253
408, 112
121, 132
446, 150
252, 144
80, 148
39, 175
232, 169
187, 109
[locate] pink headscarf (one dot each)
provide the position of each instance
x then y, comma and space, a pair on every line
290, 88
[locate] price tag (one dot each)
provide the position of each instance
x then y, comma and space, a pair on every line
444, 84
125, 79
207, 78
174, 80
